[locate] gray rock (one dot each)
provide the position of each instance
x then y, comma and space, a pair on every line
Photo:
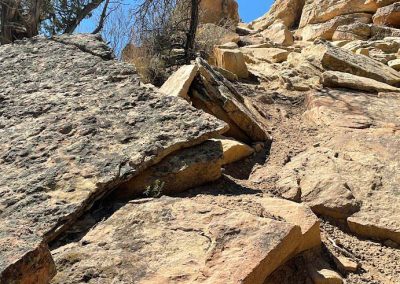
74, 126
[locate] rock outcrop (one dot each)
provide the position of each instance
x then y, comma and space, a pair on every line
218, 11
70, 137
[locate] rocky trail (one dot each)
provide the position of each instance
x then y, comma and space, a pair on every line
274, 161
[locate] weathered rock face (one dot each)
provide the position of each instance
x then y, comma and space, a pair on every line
318, 11
190, 240
25, 258
179, 83
346, 80
73, 126
388, 16
327, 29
287, 11
216, 95
338, 59
231, 60
356, 31
217, 11
279, 34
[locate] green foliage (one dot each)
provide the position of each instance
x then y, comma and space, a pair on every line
155, 189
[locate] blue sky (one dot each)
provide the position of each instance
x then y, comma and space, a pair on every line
248, 10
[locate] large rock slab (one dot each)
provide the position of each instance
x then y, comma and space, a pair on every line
178, 240
338, 59
73, 126
231, 60
219, 11
178, 84
346, 80
25, 258
177, 172
287, 11
365, 159
319, 11
216, 95
327, 29
388, 16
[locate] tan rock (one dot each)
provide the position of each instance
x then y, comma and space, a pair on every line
346, 80
345, 264
179, 240
25, 258
227, 74
320, 271
339, 59
287, 11
218, 11
388, 16
178, 84
380, 32
326, 30
233, 150
319, 11
218, 96
296, 214
356, 31
180, 171
271, 55
279, 34
231, 60
363, 51
395, 64
212, 34
366, 226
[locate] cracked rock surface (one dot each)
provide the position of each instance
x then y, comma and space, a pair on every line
74, 125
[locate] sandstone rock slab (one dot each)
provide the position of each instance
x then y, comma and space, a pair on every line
287, 11
279, 34
338, 59
178, 84
74, 125
218, 11
178, 240
395, 64
346, 80
324, 10
233, 150
177, 172
231, 60
218, 96
25, 258
356, 31
271, 55
388, 16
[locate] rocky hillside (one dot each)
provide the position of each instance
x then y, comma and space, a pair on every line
275, 161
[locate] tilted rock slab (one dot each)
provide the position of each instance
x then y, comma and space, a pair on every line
346, 80
338, 59
198, 239
358, 160
73, 126
216, 95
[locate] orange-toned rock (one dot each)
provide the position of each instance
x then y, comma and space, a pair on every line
388, 16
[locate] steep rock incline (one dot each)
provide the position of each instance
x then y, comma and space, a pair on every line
73, 126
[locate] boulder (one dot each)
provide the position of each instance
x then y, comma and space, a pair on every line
231, 60
380, 32
279, 34
327, 29
356, 31
179, 240
25, 258
219, 11
179, 171
338, 59
270, 55
72, 137
395, 64
388, 16
178, 84
319, 11
287, 11
233, 150
216, 95
345, 80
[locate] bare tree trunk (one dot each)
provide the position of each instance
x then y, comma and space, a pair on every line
81, 15
102, 18
33, 21
191, 35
